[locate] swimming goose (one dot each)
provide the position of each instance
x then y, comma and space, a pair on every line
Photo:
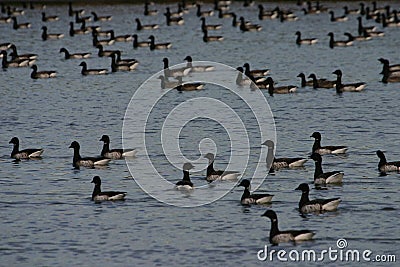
17, 26
287, 89
386, 23
214, 38
25, 153
248, 198
262, 14
120, 38
118, 59
148, 12
279, 163
97, 42
322, 178
89, 162
49, 18
375, 9
86, 71
154, 46
15, 56
100, 18
384, 166
240, 80
337, 19
348, 11
197, 68
363, 37
174, 72
15, 11
286, 16
246, 27
323, 150
173, 20
80, 19
204, 26
223, 5
200, 13
116, 66
104, 53
165, 83
99, 196
222, 14
316, 205
140, 27
390, 79
304, 82
92, 28
361, 28
213, 175
73, 31
236, 23
46, 35
192, 86
390, 70
185, 183
308, 41
6, 19
137, 44
115, 153
44, 74
350, 87
71, 11
255, 72
276, 236
333, 43
16, 63
321, 83
68, 55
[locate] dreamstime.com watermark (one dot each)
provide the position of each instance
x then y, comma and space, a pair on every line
333, 254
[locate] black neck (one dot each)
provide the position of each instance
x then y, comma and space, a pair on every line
106, 148
186, 176
316, 145
318, 169
274, 229
304, 199
339, 84
210, 168
246, 193
15, 149
382, 161
96, 190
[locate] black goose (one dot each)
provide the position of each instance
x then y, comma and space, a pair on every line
44, 74
304, 82
213, 175
249, 198
322, 178
120, 38
279, 163
284, 89
309, 41
185, 183
15, 56
73, 31
89, 162
100, 18
49, 18
68, 55
115, 153
25, 153
247, 27
154, 46
321, 83
337, 19
17, 25
342, 43
148, 12
99, 195
316, 205
85, 71
104, 53
140, 27
46, 35
200, 13
384, 166
348, 87
125, 66
209, 27
174, 72
322, 150
197, 68
15, 63
213, 38
137, 44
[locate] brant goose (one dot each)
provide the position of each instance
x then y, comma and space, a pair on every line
200, 13
97, 42
239, 78
148, 12
222, 14
342, 43
80, 19
361, 28
120, 38
44, 74
308, 41
248, 198
279, 163
276, 236
209, 27
304, 82
188, 86
286, 89
391, 70
17, 26
137, 44
349, 87
316, 205
104, 53
99, 196
140, 27
117, 66
348, 11
185, 183
25, 153
15, 56
173, 18
16, 63
262, 14
384, 166
198, 68
321, 83
247, 27
86, 71
364, 37
154, 46
337, 19
118, 59
90, 162
100, 18
174, 72
322, 150
256, 72
213, 175
71, 11
49, 18
165, 83
213, 38
67, 55
73, 31
321, 178
115, 153
46, 35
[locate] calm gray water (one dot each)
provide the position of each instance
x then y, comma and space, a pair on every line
47, 218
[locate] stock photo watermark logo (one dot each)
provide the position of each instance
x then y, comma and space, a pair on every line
171, 127
338, 253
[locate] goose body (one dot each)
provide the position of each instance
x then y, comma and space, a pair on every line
213, 175
85, 71
46, 35
364, 37
247, 27
192, 86
15, 56
44, 74
89, 162
304, 82
165, 83
137, 44
185, 183
309, 41
25, 153
174, 72
115, 153
389, 70
154, 46
197, 68
337, 19
49, 18
254, 72
17, 25
348, 87
280, 89
361, 28
120, 38
105, 53
279, 163
322, 178
99, 195
249, 198
15, 63
276, 236
73, 31
68, 55
201, 13
213, 38
384, 166
240, 80
173, 19
316, 205
121, 60
321, 83
126, 66
100, 18
209, 27
140, 27
342, 43
262, 14
322, 150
